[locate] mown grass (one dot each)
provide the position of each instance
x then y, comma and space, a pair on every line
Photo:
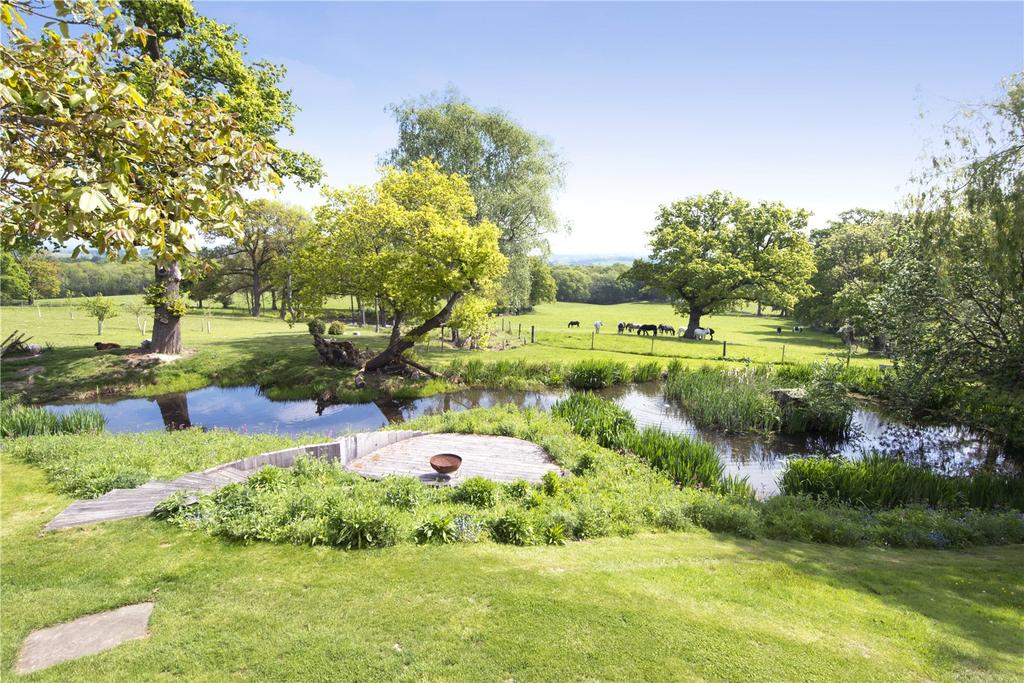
880, 481
689, 601
229, 348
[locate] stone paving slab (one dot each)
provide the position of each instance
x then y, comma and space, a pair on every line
84, 636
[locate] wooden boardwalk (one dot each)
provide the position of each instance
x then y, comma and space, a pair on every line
499, 458
371, 454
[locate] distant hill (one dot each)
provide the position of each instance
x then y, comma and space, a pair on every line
592, 259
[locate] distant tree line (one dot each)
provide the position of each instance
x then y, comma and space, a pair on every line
599, 284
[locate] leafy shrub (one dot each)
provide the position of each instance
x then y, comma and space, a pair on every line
353, 526
438, 528
716, 513
594, 417
173, 505
551, 483
555, 534
512, 527
518, 490
336, 328
477, 491
316, 327
879, 481
826, 407
798, 518
401, 492
591, 521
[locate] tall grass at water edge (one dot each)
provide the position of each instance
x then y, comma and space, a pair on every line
523, 374
686, 460
20, 420
881, 482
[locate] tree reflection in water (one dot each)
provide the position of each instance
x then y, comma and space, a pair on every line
174, 411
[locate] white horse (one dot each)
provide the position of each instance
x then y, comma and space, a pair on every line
700, 333
597, 326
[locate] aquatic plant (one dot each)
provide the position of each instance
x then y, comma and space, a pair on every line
594, 417
883, 481
734, 400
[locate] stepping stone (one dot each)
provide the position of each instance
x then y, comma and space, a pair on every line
84, 636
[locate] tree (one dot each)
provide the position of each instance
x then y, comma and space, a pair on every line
409, 240
43, 275
953, 301
542, 285
14, 281
572, 282
512, 173
99, 308
270, 231
711, 252
102, 145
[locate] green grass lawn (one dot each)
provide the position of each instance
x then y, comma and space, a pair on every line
238, 349
673, 606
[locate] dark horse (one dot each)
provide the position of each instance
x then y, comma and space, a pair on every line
667, 329
647, 329
574, 323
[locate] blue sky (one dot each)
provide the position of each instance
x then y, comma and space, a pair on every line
824, 106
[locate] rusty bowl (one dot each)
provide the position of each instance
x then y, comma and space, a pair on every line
445, 463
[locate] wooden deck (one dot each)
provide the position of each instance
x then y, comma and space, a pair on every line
499, 458
371, 454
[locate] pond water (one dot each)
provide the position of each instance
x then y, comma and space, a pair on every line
945, 448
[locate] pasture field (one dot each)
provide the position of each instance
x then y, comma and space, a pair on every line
700, 606
228, 347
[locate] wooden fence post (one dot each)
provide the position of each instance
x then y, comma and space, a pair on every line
723, 348
532, 337
783, 354
591, 341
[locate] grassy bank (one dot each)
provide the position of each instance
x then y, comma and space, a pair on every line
227, 347
698, 605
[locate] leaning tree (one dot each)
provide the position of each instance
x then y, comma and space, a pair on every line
709, 253
411, 241
104, 147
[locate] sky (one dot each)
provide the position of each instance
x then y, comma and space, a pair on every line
823, 106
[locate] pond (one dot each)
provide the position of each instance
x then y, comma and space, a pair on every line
946, 448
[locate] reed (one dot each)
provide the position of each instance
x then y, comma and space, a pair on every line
732, 400
880, 482
597, 418
19, 420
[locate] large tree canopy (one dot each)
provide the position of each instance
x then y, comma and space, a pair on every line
850, 255
512, 174
953, 303
711, 252
411, 241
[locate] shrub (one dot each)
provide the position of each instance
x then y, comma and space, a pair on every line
825, 408
716, 513
477, 491
401, 492
551, 483
594, 417
879, 482
438, 528
512, 527
555, 534
173, 505
354, 526
316, 327
336, 328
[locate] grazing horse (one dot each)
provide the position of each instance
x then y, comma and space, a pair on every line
798, 328
778, 330
622, 326
646, 330
701, 333
574, 323
667, 329
597, 326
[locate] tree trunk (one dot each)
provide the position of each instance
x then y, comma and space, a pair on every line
879, 343
286, 296
99, 326
758, 309
174, 411
400, 343
257, 294
273, 299
694, 322
167, 327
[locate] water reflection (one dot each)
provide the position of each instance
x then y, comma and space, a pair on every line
948, 449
